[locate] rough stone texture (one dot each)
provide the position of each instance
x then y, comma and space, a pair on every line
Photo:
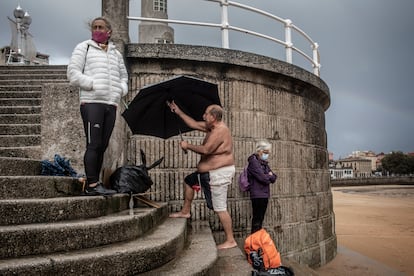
62, 128
262, 98
115, 11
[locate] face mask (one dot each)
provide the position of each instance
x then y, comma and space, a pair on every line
100, 37
264, 156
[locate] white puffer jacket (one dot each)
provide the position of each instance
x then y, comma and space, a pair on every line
101, 75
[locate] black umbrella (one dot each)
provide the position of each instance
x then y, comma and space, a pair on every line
148, 113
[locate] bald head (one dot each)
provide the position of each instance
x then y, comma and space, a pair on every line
216, 111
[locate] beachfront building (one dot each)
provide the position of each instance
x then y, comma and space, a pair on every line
361, 167
367, 154
337, 171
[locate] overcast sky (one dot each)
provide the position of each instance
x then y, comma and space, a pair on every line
366, 49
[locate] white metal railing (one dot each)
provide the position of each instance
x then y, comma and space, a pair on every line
226, 27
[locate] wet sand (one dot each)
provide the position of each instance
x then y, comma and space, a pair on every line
375, 231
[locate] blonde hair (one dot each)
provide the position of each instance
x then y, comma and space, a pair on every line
263, 145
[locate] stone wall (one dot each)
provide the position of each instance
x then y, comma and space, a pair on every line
62, 129
262, 98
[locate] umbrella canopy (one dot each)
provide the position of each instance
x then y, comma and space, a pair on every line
148, 113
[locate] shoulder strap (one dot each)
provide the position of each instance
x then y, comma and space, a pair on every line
86, 54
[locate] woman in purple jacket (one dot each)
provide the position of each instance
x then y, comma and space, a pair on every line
260, 176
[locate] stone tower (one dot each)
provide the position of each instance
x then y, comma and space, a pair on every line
263, 98
155, 32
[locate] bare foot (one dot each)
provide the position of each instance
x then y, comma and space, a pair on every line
227, 245
180, 215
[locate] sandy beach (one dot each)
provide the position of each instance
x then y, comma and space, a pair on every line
375, 231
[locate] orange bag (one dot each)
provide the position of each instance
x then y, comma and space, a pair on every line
261, 244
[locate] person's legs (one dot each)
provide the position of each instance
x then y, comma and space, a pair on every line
259, 206
225, 220
188, 199
191, 182
220, 180
107, 128
93, 117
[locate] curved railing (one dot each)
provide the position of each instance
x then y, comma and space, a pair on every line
225, 27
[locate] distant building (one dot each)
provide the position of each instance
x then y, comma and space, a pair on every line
361, 167
337, 172
370, 155
155, 32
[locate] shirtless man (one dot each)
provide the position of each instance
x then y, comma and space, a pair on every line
215, 169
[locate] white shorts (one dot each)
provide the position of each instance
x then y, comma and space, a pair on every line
220, 179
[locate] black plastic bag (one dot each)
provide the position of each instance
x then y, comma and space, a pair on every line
133, 179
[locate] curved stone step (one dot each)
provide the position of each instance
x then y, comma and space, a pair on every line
13, 187
25, 211
198, 258
46, 238
18, 166
143, 254
21, 94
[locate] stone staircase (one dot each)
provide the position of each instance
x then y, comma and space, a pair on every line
47, 228
20, 107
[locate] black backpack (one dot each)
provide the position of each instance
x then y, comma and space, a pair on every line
281, 271
133, 179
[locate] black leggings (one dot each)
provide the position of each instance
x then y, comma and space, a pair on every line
98, 122
259, 206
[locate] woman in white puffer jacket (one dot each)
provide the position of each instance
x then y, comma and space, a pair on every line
98, 69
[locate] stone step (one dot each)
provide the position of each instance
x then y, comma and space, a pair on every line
19, 140
25, 75
198, 258
21, 129
36, 186
17, 87
18, 167
20, 102
38, 68
41, 210
150, 251
20, 118
11, 110
20, 94
32, 152
31, 82
46, 238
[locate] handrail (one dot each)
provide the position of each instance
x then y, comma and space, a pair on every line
226, 27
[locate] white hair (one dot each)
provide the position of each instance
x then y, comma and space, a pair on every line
263, 145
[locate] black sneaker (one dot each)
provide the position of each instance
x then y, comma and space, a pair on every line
99, 189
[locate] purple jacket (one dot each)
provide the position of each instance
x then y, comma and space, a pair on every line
259, 178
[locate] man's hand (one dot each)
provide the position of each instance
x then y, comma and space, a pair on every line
174, 107
184, 145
